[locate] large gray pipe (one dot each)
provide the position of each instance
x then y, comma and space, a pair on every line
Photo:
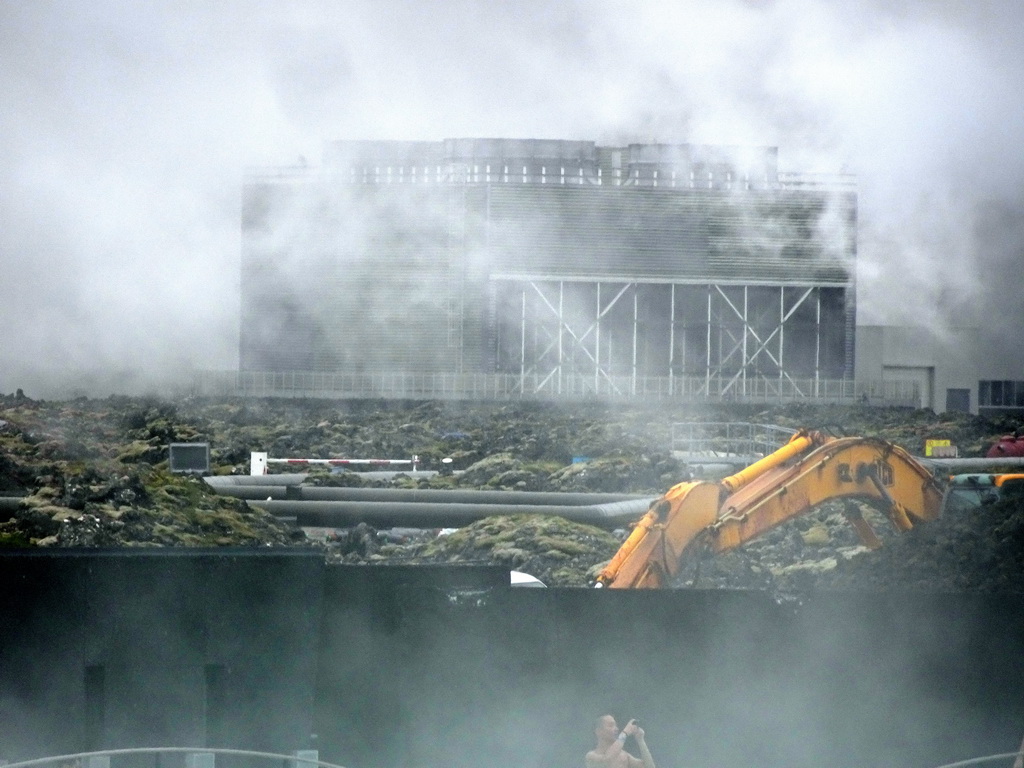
220, 481
314, 506
972, 465
429, 495
393, 514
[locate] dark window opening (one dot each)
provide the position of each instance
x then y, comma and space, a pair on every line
1000, 394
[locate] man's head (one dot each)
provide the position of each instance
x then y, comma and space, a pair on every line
605, 728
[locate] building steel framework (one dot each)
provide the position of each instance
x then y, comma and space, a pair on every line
505, 259
613, 334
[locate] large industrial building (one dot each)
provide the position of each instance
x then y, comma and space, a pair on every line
550, 267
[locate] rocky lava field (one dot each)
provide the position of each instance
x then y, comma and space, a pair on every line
94, 473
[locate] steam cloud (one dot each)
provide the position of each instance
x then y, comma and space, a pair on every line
127, 129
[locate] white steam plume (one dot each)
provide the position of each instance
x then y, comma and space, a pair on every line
126, 131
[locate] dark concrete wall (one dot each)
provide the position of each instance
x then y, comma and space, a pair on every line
434, 666
717, 678
105, 650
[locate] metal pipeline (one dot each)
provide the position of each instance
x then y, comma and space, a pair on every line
972, 464
316, 506
431, 495
311, 506
397, 514
226, 481
297, 478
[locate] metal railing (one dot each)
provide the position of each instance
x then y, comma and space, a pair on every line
302, 761
498, 386
835, 181
193, 756
716, 439
1001, 757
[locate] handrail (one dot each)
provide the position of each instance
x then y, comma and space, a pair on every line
160, 750
985, 759
535, 386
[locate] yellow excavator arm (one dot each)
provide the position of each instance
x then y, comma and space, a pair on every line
697, 517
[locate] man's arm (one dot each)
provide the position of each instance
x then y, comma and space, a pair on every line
645, 753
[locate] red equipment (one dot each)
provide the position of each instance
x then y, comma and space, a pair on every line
1008, 445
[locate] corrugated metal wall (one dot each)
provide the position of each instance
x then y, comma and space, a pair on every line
626, 233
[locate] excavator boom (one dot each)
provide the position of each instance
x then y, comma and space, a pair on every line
694, 518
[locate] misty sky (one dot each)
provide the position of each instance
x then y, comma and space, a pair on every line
126, 129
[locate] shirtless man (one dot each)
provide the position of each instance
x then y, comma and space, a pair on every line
610, 751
